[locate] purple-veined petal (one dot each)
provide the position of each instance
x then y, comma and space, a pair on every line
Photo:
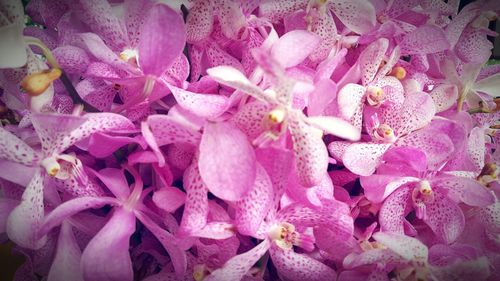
70, 208
294, 47
407, 247
225, 148
203, 105
238, 266
162, 39
445, 218
254, 206
294, 266
233, 78
311, 155
16, 150
66, 264
24, 221
107, 256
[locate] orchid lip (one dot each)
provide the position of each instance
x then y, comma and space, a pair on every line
285, 236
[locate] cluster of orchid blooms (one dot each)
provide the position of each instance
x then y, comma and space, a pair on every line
250, 140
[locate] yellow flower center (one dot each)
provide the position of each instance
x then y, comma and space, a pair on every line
37, 83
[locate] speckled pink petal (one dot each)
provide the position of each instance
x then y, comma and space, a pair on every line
107, 256
14, 149
473, 46
203, 105
195, 213
466, 190
217, 56
24, 221
351, 103
358, 15
199, 22
97, 93
135, 13
275, 10
167, 130
249, 118
225, 148
426, 39
371, 58
445, 218
293, 47
254, 206
99, 17
311, 156
326, 29
363, 158
294, 266
66, 264
231, 19
71, 59
407, 247
393, 211
162, 39
238, 266
417, 111
370, 257
444, 96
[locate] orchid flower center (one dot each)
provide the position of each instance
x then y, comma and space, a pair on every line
488, 174
384, 133
37, 83
375, 96
63, 166
399, 72
285, 236
422, 194
130, 56
200, 271
418, 271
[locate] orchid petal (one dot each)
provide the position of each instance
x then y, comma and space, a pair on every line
66, 264
445, 218
12, 46
294, 47
335, 126
16, 150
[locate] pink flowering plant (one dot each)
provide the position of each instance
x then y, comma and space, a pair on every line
250, 140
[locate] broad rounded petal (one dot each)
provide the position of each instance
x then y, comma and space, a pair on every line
169, 198
66, 264
407, 247
227, 161
203, 105
16, 150
12, 46
232, 77
324, 93
363, 158
72, 59
24, 221
311, 155
357, 15
294, 47
199, 21
465, 190
444, 96
167, 240
426, 39
294, 266
162, 39
350, 100
417, 111
254, 206
238, 266
371, 58
96, 46
393, 211
167, 130
70, 208
335, 126
107, 256
378, 187
97, 93
445, 218
249, 118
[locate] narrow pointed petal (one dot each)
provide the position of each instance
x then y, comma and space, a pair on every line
66, 264
107, 256
445, 218
254, 206
335, 126
225, 148
294, 266
294, 47
162, 39
24, 221
196, 206
311, 155
16, 150
238, 266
